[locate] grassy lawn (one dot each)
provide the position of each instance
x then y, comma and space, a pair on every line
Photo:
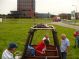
16, 30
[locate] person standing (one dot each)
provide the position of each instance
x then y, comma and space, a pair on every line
64, 46
76, 35
8, 53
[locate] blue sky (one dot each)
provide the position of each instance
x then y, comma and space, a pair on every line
43, 6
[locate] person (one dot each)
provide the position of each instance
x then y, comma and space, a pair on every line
46, 37
8, 53
64, 46
30, 51
76, 35
41, 47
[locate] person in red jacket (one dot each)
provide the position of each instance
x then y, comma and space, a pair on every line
41, 47
76, 35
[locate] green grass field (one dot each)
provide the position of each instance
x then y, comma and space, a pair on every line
16, 30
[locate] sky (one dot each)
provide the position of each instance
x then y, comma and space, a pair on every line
43, 6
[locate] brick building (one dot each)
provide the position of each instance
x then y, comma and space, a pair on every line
26, 8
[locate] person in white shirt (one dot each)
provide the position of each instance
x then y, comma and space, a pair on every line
8, 53
64, 46
45, 37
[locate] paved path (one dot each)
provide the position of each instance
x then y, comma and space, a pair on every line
65, 25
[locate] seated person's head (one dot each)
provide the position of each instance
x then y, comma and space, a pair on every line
46, 42
46, 36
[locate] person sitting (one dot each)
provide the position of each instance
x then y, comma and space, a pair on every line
30, 51
41, 47
46, 37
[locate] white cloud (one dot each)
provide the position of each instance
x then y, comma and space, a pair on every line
52, 6
7, 5
55, 6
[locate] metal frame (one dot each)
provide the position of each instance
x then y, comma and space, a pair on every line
30, 37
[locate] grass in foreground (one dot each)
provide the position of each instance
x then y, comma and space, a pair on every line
16, 30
